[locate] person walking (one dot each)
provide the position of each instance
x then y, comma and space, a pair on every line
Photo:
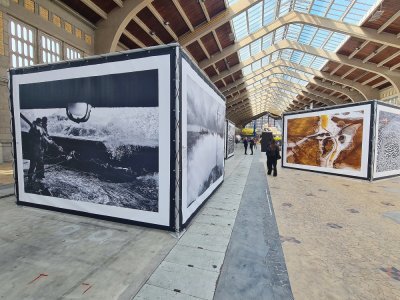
272, 158
251, 145
245, 143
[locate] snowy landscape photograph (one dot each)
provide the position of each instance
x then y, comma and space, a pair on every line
205, 140
93, 139
230, 139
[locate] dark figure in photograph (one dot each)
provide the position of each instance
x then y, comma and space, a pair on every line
272, 157
39, 142
245, 143
251, 146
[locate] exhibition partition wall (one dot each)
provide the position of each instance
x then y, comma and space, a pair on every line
229, 139
203, 126
106, 137
387, 141
357, 140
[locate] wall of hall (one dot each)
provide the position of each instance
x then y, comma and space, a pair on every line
45, 18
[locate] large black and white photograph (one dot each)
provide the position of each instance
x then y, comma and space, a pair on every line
387, 144
230, 139
204, 131
95, 140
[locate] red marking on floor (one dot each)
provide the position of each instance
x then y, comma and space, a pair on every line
40, 276
88, 287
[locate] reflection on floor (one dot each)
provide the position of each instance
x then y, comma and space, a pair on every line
340, 236
6, 174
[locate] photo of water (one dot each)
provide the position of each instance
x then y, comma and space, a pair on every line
205, 140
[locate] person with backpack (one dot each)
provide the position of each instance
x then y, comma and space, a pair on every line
272, 158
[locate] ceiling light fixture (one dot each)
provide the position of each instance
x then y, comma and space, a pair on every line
166, 23
152, 32
377, 14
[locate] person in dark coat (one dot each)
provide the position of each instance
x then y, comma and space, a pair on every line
272, 157
36, 149
245, 143
251, 145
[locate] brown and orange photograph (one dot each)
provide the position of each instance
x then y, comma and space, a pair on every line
327, 140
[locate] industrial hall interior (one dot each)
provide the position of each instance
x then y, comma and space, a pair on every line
200, 149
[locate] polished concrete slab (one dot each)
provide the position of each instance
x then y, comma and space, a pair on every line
340, 236
49, 255
254, 266
191, 269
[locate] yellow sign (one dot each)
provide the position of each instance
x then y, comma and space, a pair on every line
247, 131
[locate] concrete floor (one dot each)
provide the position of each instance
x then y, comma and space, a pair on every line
49, 255
340, 236
340, 240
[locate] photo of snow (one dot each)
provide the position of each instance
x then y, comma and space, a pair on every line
203, 129
230, 139
332, 141
96, 138
387, 155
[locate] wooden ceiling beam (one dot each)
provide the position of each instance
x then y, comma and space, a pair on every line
365, 43
183, 15
348, 72
95, 8
353, 95
301, 18
365, 91
160, 19
389, 22
336, 69
217, 21
133, 39
205, 12
109, 31
394, 55
393, 77
380, 49
119, 3
148, 30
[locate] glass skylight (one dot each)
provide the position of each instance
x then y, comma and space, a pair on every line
265, 12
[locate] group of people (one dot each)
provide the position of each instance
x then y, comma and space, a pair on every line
272, 153
39, 141
252, 142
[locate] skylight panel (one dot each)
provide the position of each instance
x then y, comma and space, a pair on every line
246, 70
302, 5
284, 7
267, 41
240, 26
255, 47
293, 31
256, 65
265, 61
244, 53
269, 11
254, 17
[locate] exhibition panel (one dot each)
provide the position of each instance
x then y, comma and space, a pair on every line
114, 137
94, 137
203, 126
229, 139
332, 140
387, 141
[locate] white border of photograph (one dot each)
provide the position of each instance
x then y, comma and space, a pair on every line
363, 173
162, 63
188, 211
378, 110
229, 123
